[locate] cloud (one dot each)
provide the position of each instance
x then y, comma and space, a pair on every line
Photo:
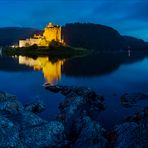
127, 16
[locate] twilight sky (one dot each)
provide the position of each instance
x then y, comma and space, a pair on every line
129, 17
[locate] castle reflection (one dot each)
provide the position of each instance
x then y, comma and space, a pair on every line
51, 70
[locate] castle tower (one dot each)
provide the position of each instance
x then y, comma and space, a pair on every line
52, 32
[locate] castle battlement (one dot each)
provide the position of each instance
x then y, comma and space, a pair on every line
51, 32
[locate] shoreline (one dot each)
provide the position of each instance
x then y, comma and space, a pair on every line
75, 124
54, 52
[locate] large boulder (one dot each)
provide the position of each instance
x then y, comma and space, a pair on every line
20, 127
9, 133
5, 96
26, 120
134, 132
129, 100
77, 100
31, 131
36, 132
78, 113
89, 134
79, 91
139, 117
131, 134
46, 135
9, 104
35, 107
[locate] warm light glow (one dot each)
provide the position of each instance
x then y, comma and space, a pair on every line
51, 71
51, 32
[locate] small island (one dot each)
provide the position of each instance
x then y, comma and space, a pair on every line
49, 43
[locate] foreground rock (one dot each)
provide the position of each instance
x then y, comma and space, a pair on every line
21, 128
76, 125
129, 100
139, 117
78, 100
78, 113
89, 134
9, 104
134, 132
9, 133
46, 135
35, 107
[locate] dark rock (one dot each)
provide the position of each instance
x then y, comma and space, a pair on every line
29, 130
53, 88
128, 100
131, 135
78, 113
134, 132
46, 135
27, 120
9, 133
9, 104
70, 107
90, 134
138, 117
36, 132
66, 90
20, 127
77, 124
6, 97
35, 107
78, 101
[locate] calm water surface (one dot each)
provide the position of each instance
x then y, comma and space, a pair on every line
110, 74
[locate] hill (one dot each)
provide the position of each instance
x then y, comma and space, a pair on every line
86, 35
92, 36
99, 37
11, 35
135, 43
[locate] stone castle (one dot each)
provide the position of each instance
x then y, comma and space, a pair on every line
51, 32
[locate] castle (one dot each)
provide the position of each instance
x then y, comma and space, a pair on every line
51, 32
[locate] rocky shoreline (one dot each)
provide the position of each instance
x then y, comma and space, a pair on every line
75, 126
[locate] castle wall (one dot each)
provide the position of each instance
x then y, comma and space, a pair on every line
22, 43
29, 42
51, 32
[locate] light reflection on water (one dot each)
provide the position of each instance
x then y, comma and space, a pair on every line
107, 74
51, 70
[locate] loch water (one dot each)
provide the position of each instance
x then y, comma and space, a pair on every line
109, 74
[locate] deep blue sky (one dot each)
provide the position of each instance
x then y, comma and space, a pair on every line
129, 17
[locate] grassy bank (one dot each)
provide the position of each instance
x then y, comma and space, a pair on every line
59, 51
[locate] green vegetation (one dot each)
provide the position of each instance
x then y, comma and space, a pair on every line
54, 50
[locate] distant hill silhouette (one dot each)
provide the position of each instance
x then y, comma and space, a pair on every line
11, 35
85, 35
92, 36
99, 37
135, 43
